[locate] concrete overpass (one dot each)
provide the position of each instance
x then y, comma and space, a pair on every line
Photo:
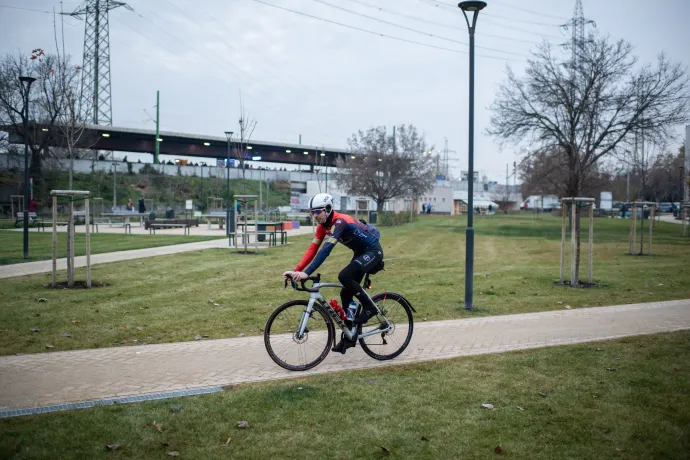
119, 139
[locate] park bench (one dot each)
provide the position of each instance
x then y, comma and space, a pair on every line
271, 237
126, 225
20, 218
153, 227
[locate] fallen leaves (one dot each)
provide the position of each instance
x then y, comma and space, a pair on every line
75, 321
498, 450
35, 329
174, 453
199, 337
243, 424
65, 334
488, 406
111, 447
228, 441
385, 449
41, 300
49, 345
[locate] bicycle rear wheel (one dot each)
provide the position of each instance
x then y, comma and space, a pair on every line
388, 345
298, 353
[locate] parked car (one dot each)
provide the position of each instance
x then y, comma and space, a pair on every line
665, 207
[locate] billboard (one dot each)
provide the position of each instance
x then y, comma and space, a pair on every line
606, 201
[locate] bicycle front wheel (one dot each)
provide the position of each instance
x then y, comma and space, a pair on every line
388, 345
286, 348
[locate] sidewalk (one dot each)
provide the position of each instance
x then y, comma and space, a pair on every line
157, 371
46, 266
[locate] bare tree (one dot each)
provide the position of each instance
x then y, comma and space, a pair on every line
386, 167
590, 108
46, 101
247, 125
72, 120
321, 170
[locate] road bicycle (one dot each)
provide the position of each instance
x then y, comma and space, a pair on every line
299, 334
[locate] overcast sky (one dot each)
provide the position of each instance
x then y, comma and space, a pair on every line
301, 75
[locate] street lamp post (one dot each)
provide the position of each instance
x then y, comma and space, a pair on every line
26, 87
473, 7
680, 184
228, 135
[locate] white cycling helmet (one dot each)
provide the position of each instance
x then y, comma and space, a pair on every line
320, 201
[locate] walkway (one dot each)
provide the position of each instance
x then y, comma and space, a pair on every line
137, 373
46, 266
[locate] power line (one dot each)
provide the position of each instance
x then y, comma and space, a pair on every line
505, 5
25, 9
376, 33
440, 24
222, 64
414, 30
491, 15
358, 28
491, 18
296, 88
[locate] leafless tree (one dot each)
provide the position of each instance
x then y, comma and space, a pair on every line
386, 167
46, 101
72, 120
247, 125
591, 108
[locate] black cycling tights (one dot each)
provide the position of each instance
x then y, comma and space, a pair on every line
352, 275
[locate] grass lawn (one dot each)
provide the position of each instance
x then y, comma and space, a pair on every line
40, 244
560, 402
173, 298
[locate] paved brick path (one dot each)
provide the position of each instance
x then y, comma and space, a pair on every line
60, 377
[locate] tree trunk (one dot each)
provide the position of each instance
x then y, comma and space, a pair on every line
379, 205
71, 167
574, 192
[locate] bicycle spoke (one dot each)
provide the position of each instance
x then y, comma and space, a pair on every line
286, 348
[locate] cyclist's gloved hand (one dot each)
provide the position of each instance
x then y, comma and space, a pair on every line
288, 274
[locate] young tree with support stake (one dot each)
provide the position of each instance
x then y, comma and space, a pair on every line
592, 108
386, 166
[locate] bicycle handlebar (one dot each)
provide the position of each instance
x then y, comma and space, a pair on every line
313, 279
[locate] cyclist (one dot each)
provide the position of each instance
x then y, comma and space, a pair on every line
336, 227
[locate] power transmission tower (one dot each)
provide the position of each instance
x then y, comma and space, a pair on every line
95, 84
577, 24
446, 159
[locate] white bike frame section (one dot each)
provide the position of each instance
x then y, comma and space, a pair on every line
317, 297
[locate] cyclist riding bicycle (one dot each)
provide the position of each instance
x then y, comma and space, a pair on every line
363, 239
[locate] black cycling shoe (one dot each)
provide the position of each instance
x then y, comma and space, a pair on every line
344, 344
365, 315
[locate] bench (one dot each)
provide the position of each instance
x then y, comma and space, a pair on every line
20, 218
271, 237
126, 225
153, 227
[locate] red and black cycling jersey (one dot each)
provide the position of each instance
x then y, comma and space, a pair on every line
338, 228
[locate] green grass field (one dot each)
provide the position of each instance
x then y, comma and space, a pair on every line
550, 403
173, 298
40, 244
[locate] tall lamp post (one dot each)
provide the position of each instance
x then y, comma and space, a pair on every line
473, 7
26, 87
228, 135
682, 170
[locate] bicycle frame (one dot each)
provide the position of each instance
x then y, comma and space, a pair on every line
351, 334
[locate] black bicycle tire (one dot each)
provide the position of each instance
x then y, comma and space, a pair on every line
408, 309
322, 356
